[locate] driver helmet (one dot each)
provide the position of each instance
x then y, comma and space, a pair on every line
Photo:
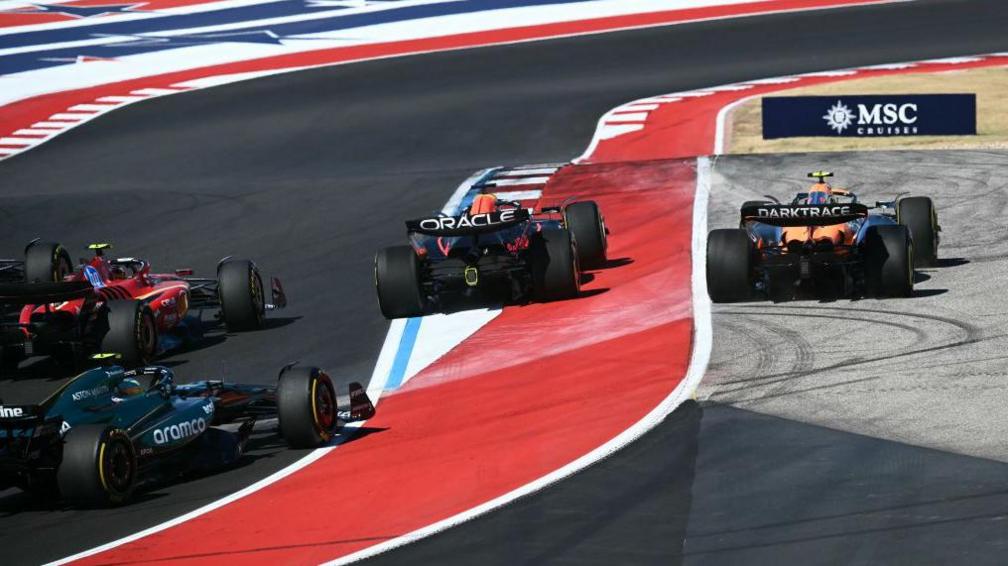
820, 193
128, 387
483, 204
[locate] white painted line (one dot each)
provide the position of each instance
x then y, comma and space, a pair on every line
837, 73
526, 172
18, 141
121, 99
773, 81
953, 60
888, 67
699, 357
69, 116
636, 107
609, 131
596, 139
695, 93
517, 181
386, 357
93, 107
8, 151
35, 132
720, 124
519, 195
53, 125
627, 117
155, 91
440, 333
731, 87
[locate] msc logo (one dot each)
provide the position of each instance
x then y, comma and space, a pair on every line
875, 119
11, 412
179, 431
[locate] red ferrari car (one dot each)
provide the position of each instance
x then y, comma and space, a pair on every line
118, 305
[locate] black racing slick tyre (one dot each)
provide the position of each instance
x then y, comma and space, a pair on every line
99, 466
131, 332
397, 281
46, 262
240, 290
729, 265
587, 227
555, 273
888, 261
918, 214
306, 403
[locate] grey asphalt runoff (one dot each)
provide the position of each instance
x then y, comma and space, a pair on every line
930, 370
309, 173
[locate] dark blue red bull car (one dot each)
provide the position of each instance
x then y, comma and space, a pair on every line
495, 251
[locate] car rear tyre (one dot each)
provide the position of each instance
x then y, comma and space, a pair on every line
587, 227
131, 332
240, 289
99, 466
918, 214
555, 273
46, 262
888, 261
729, 265
306, 403
397, 280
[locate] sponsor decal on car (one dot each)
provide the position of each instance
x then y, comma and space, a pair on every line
804, 214
180, 431
11, 412
804, 211
90, 393
473, 221
93, 277
467, 223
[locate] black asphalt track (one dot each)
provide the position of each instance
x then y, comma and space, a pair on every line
309, 173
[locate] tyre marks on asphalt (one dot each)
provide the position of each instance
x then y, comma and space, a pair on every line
925, 370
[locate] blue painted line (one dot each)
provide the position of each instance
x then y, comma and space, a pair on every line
402, 357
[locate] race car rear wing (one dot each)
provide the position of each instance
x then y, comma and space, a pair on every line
19, 415
804, 214
468, 224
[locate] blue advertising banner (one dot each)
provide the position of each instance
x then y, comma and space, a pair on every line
869, 115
